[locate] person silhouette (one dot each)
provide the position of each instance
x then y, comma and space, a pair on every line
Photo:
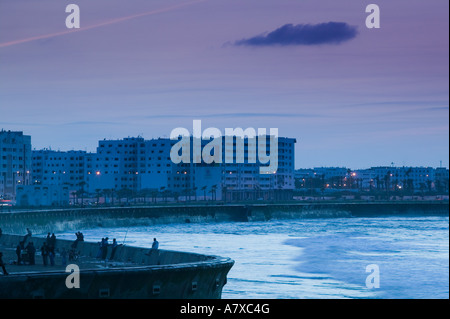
2, 264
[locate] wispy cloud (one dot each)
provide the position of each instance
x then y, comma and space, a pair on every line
304, 34
102, 24
239, 115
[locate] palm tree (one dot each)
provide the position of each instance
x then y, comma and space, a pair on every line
162, 191
80, 195
81, 192
195, 192
74, 196
124, 193
350, 180
213, 191
107, 192
113, 193
224, 192
204, 192
154, 194
98, 193
166, 195
144, 193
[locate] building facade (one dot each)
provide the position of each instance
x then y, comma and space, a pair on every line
138, 165
58, 168
381, 178
15, 162
42, 195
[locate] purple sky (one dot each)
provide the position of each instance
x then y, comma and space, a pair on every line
378, 98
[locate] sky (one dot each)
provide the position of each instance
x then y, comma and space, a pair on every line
351, 96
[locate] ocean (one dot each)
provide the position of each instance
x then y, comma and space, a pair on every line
338, 258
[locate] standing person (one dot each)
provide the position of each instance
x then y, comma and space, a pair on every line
31, 251
100, 246
155, 244
2, 264
19, 249
44, 252
51, 255
53, 241
155, 247
27, 236
104, 248
64, 257
114, 246
80, 236
75, 243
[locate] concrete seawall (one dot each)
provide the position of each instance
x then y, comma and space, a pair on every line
342, 210
77, 219
164, 274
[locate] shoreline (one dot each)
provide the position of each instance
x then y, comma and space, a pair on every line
56, 220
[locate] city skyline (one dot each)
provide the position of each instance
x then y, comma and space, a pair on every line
366, 98
34, 149
139, 166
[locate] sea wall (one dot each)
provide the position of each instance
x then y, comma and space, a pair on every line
56, 220
77, 219
163, 274
341, 210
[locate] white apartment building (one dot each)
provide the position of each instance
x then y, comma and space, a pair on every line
155, 168
15, 162
42, 195
226, 180
114, 165
131, 163
419, 178
243, 181
51, 167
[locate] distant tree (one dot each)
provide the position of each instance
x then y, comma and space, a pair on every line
145, 193
82, 192
423, 187
162, 191
194, 189
214, 192
98, 194
124, 193
113, 195
430, 186
74, 196
204, 192
154, 193
350, 178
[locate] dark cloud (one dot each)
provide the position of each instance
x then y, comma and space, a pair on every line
304, 34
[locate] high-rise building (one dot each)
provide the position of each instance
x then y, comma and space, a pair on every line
15, 162
114, 165
135, 164
58, 168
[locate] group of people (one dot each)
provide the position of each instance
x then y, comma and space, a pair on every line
103, 248
26, 254
48, 250
26, 251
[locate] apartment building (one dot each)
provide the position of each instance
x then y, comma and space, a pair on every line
15, 162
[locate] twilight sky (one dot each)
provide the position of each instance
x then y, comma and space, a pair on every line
351, 96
